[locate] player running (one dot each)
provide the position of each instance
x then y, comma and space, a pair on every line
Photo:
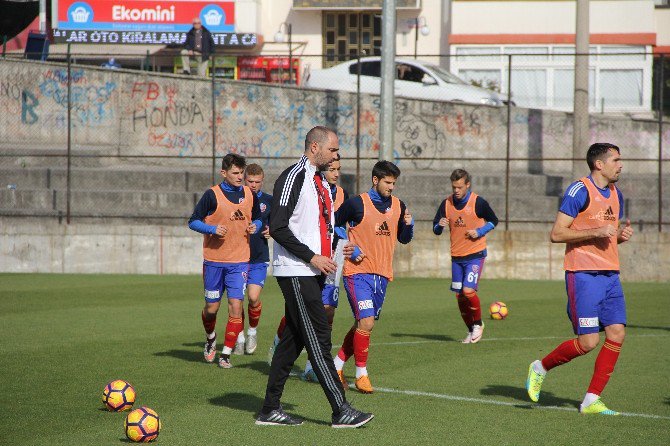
376, 219
226, 215
588, 223
258, 263
469, 218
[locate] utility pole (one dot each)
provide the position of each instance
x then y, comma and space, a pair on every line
386, 113
43, 16
581, 135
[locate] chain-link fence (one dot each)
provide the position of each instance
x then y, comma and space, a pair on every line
89, 143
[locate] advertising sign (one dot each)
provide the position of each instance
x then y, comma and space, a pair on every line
228, 40
144, 15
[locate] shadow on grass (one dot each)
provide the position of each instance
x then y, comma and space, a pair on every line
520, 393
649, 327
427, 336
184, 355
261, 367
251, 403
667, 401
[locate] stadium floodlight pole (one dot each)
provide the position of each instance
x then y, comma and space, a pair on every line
68, 178
386, 112
581, 132
661, 83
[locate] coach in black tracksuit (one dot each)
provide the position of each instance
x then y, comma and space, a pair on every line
301, 224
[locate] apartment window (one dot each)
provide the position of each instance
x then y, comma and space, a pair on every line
530, 88
621, 88
564, 88
346, 34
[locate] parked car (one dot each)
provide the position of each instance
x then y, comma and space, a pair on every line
414, 79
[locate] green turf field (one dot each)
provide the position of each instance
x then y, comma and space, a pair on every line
65, 336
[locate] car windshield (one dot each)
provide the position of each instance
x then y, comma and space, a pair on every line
445, 75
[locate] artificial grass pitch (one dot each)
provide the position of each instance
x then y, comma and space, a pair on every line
65, 336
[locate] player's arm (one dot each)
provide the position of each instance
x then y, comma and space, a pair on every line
440, 221
350, 212
405, 225
575, 200
280, 215
256, 224
266, 219
483, 210
206, 205
626, 231
563, 233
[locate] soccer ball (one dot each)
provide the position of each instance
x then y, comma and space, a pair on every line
142, 425
498, 310
118, 396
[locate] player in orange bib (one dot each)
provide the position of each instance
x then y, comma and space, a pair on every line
469, 218
377, 221
588, 223
226, 215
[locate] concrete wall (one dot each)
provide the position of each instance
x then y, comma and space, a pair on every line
46, 247
123, 113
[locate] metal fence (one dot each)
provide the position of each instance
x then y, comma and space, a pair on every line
85, 143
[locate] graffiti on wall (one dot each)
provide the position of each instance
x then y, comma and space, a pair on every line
167, 116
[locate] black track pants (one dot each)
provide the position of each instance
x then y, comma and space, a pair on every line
306, 327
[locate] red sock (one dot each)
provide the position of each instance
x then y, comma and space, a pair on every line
234, 327
609, 353
565, 352
208, 321
254, 314
464, 306
347, 348
474, 307
361, 347
282, 326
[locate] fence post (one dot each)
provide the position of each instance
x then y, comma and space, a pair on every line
358, 117
661, 81
69, 136
213, 128
509, 136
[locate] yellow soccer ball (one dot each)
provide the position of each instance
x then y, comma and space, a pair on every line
142, 425
118, 396
498, 310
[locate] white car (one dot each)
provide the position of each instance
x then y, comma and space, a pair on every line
414, 80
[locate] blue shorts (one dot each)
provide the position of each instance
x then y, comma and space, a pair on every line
330, 295
366, 293
595, 300
231, 277
257, 274
466, 274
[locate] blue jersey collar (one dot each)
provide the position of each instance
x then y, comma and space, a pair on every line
464, 200
602, 189
230, 188
374, 196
